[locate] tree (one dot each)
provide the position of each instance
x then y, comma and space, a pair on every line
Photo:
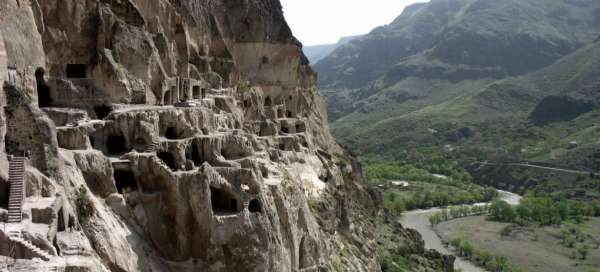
502, 211
398, 206
583, 251
523, 212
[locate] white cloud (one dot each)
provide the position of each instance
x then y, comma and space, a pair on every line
325, 21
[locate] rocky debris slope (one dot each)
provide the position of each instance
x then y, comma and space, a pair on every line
174, 136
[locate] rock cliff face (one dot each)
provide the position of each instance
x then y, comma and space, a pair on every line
172, 136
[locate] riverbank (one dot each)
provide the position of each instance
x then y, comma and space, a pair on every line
419, 220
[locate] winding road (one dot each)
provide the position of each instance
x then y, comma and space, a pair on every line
419, 220
530, 165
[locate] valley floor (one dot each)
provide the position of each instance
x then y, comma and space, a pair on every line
419, 220
531, 249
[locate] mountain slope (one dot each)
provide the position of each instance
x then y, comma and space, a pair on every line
532, 115
452, 61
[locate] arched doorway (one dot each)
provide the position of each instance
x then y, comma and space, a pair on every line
43, 91
168, 98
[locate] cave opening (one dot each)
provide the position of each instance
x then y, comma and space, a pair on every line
172, 134
300, 128
268, 101
76, 71
289, 114
116, 145
168, 99
168, 159
102, 111
196, 92
285, 129
125, 181
254, 206
43, 91
223, 202
196, 158
61, 221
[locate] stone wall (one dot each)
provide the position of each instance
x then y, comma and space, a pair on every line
3, 160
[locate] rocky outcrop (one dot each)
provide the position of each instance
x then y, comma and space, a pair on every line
177, 136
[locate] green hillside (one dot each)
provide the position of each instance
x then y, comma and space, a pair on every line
479, 78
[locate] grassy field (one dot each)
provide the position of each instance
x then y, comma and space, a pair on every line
531, 249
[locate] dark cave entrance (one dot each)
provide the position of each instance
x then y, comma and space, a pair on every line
168, 159
172, 134
125, 181
61, 221
168, 99
268, 101
102, 111
196, 92
223, 202
43, 91
116, 145
289, 114
194, 155
285, 129
76, 71
254, 206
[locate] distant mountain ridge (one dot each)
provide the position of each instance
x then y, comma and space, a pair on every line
315, 53
492, 36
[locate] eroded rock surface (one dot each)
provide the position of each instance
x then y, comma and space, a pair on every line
174, 136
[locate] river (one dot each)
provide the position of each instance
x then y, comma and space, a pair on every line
419, 220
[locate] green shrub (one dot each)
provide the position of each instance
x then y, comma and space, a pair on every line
85, 206
507, 231
583, 251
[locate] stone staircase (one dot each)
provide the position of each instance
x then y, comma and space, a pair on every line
152, 147
16, 174
15, 237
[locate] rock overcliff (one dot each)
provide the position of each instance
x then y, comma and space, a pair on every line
172, 136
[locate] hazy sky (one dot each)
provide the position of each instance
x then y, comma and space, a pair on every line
325, 21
